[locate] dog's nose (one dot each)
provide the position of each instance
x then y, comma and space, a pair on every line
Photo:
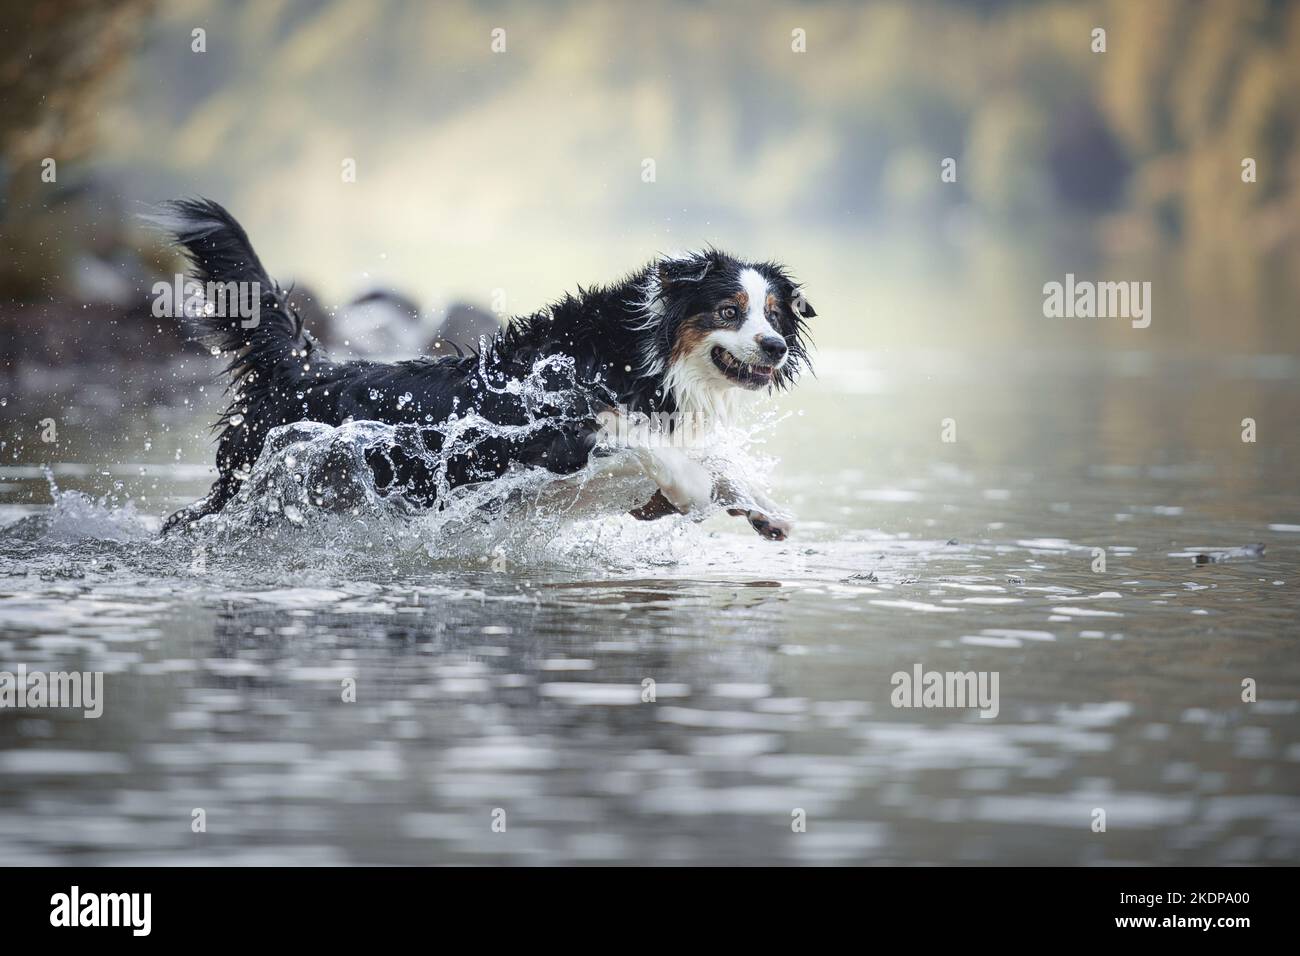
772, 347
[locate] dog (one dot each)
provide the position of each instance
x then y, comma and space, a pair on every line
683, 336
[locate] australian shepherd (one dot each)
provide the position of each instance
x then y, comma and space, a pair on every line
683, 336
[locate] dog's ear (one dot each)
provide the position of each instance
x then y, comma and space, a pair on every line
674, 272
800, 306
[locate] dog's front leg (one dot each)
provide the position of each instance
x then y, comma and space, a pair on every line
766, 518
684, 485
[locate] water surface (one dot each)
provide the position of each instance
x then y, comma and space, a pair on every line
507, 671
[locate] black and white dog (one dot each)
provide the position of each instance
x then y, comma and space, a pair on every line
683, 336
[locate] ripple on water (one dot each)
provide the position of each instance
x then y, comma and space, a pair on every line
500, 649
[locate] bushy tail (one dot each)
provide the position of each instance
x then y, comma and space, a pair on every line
222, 259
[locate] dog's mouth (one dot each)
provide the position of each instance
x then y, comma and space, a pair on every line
748, 376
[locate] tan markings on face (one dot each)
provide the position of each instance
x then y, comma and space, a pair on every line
690, 336
771, 302
742, 301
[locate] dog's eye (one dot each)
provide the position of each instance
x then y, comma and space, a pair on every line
727, 312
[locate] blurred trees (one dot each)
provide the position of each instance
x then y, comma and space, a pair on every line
57, 61
1129, 158
1197, 89
56, 57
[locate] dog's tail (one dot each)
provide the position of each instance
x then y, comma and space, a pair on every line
260, 337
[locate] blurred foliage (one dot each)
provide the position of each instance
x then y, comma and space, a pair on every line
55, 58
58, 63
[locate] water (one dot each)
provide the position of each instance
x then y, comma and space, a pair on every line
500, 664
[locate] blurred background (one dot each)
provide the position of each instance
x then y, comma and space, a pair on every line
500, 179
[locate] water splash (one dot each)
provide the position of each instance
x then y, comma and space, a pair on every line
76, 517
315, 499
318, 488
314, 487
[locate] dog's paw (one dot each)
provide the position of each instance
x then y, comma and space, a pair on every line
771, 528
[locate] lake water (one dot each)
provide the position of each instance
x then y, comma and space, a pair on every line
500, 710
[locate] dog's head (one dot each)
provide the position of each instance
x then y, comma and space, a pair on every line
721, 324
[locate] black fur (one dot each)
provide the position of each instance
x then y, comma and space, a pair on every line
619, 339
